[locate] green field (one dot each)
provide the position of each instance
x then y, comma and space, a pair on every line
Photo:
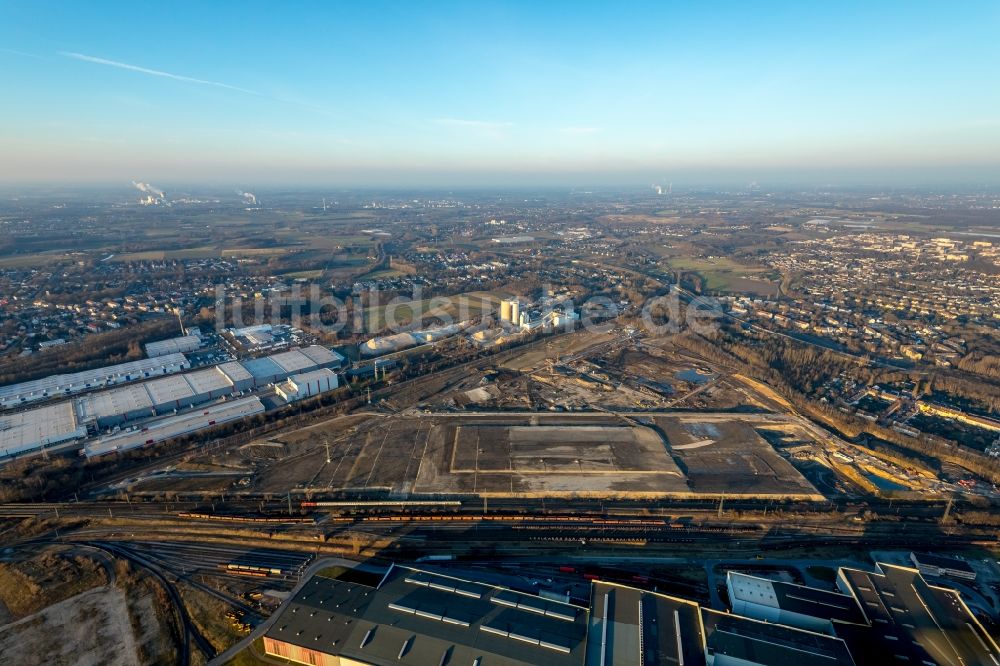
459, 306
724, 274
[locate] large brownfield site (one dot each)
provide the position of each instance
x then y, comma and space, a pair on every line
519, 455
583, 415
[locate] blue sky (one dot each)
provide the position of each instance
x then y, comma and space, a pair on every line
438, 92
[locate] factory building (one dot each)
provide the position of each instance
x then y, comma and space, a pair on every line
422, 617
732, 640
250, 330
307, 384
78, 382
280, 366
174, 393
263, 370
238, 376
908, 620
30, 430
418, 617
210, 383
171, 393
158, 396
323, 357
565, 319
110, 408
175, 426
186, 343
794, 605
296, 360
939, 565
628, 625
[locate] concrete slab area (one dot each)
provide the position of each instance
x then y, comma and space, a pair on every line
545, 454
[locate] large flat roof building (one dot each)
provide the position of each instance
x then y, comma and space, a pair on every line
238, 376
169, 427
280, 366
307, 384
157, 396
184, 343
908, 620
632, 627
88, 380
938, 565
30, 430
732, 640
793, 605
423, 618
176, 392
108, 408
264, 370
323, 357
169, 393
210, 382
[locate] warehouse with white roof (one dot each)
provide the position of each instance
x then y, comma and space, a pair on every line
53, 386
238, 376
185, 343
307, 367
175, 426
307, 384
109, 408
33, 429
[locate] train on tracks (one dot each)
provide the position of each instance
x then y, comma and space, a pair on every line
253, 571
267, 520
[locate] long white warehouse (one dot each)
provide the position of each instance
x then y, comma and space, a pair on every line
169, 427
185, 343
54, 386
30, 430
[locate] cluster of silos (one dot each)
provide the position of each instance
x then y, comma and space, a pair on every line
510, 311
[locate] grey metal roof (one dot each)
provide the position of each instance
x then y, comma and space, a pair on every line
419, 617
793, 598
911, 617
643, 628
769, 644
56, 385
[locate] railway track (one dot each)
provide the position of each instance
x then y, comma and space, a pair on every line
189, 632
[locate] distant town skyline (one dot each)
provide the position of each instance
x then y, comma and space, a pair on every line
505, 93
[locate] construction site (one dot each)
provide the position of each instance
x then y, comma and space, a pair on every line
544, 454
584, 415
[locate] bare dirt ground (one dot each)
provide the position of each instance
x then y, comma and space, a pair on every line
727, 455
419, 442
92, 628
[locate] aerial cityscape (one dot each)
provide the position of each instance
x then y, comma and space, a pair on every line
450, 335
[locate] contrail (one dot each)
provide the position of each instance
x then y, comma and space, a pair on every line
21, 53
154, 72
188, 79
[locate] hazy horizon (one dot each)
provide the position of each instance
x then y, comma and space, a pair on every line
500, 95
